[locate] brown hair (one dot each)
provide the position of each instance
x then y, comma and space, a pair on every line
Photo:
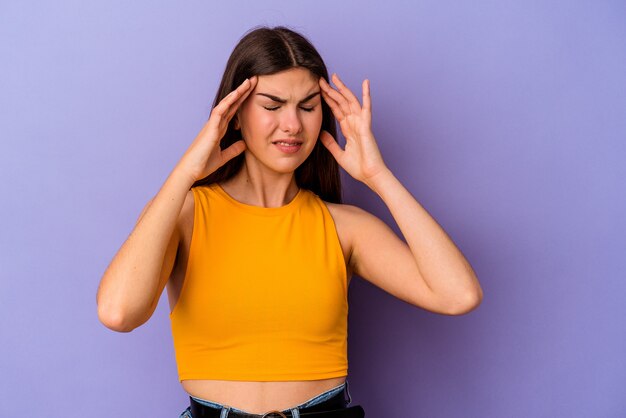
265, 51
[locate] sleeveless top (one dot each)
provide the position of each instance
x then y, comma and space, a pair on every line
265, 295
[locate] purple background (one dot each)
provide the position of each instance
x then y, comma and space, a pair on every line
506, 120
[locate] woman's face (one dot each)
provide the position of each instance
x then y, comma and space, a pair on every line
280, 121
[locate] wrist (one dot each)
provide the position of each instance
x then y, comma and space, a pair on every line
180, 175
380, 180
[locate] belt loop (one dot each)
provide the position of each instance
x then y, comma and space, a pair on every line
295, 413
225, 411
348, 392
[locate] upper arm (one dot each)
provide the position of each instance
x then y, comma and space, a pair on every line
171, 251
382, 258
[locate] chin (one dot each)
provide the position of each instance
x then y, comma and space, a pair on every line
283, 165
285, 168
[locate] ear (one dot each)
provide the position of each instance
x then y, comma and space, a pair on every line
236, 123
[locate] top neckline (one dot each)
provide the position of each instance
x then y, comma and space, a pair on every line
260, 210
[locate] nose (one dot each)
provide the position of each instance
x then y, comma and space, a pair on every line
290, 122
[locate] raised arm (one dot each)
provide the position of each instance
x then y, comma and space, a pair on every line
430, 272
134, 280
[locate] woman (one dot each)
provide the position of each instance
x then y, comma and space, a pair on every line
249, 234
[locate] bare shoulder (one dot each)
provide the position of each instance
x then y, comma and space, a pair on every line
349, 215
355, 223
348, 220
340, 213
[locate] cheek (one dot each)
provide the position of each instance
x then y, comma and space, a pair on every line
258, 122
314, 123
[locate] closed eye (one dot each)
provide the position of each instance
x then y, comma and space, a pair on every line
306, 109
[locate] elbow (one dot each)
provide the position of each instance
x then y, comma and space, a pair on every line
114, 320
464, 304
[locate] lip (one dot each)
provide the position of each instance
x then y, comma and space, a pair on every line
289, 141
288, 149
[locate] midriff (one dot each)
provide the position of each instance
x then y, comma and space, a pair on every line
259, 397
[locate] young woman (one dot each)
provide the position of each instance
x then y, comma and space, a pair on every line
250, 237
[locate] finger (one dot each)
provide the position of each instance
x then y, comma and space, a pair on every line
346, 91
338, 97
243, 89
367, 100
329, 142
220, 111
234, 150
225, 104
334, 107
223, 110
235, 106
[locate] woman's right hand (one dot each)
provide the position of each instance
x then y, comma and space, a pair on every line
204, 156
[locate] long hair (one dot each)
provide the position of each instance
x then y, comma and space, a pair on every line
265, 51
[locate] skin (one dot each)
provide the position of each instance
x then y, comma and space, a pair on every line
425, 269
267, 178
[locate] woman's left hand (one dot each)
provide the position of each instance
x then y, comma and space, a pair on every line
361, 157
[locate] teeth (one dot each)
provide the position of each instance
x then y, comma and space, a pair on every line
285, 143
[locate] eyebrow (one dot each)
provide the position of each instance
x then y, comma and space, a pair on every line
279, 100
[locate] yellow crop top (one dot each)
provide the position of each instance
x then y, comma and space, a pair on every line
265, 296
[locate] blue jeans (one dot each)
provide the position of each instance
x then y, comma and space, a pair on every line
294, 411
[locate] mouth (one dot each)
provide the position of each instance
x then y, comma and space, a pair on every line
287, 142
288, 146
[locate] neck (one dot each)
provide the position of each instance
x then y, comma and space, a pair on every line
255, 186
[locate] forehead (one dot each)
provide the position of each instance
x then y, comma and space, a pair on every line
293, 83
